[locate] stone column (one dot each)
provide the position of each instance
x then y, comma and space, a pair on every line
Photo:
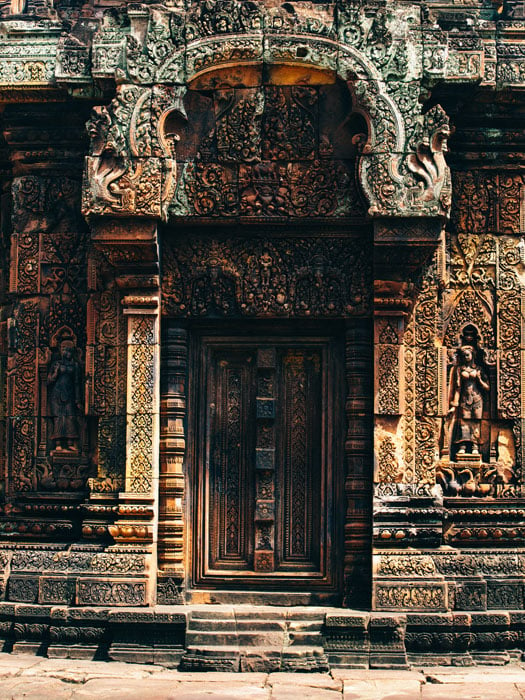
131, 248
358, 451
171, 477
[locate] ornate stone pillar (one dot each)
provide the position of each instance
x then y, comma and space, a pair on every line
405, 508
136, 503
171, 477
358, 450
130, 246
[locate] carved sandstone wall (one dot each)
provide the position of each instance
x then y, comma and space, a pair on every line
269, 162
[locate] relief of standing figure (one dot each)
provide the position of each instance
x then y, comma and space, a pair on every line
64, 381
468, 384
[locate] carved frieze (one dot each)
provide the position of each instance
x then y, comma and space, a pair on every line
114, 592
424, 596
257, 277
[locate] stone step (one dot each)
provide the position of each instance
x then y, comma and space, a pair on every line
270, 639
306, 614
211, 625
304, 638
303, 658
211, 638
213, 614
260, 625
259, 614
211, 658
304, 626
260, 659
213, 649
262, 599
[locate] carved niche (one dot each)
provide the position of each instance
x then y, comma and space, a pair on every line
48, 435
481, 442
480, 454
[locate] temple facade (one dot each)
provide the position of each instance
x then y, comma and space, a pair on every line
262, 331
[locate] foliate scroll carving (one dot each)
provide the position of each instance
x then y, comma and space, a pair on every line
408, 418
389, 464
106, 373
290, 124
132, 166
426, 446
108, 45
73, 61
474, 202
381, 38
238, 124
91, 591
388, 367
406, 565
470, 306
316, 189
153, 53
223, 17
425, 596
30, 63
487, 202
509, 384
510, 329
250, 277
141, 403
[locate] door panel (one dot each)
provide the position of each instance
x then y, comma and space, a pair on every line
299, 474
229, 443
265, 468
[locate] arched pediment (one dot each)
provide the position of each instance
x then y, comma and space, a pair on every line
401, 170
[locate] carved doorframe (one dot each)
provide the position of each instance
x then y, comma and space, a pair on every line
174, 546
401, 170
175, 543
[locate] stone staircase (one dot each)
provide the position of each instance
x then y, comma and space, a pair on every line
254, 638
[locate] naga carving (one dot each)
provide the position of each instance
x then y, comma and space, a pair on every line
427, 161
132, 166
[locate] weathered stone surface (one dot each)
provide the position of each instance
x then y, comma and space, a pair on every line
42, 688
382, 689
311, 680
472, 691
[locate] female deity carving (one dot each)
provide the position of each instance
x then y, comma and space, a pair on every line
64, 399
468, 385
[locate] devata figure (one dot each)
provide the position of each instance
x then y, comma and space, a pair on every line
65, 400
466, 393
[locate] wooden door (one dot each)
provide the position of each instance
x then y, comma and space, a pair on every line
266, 457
